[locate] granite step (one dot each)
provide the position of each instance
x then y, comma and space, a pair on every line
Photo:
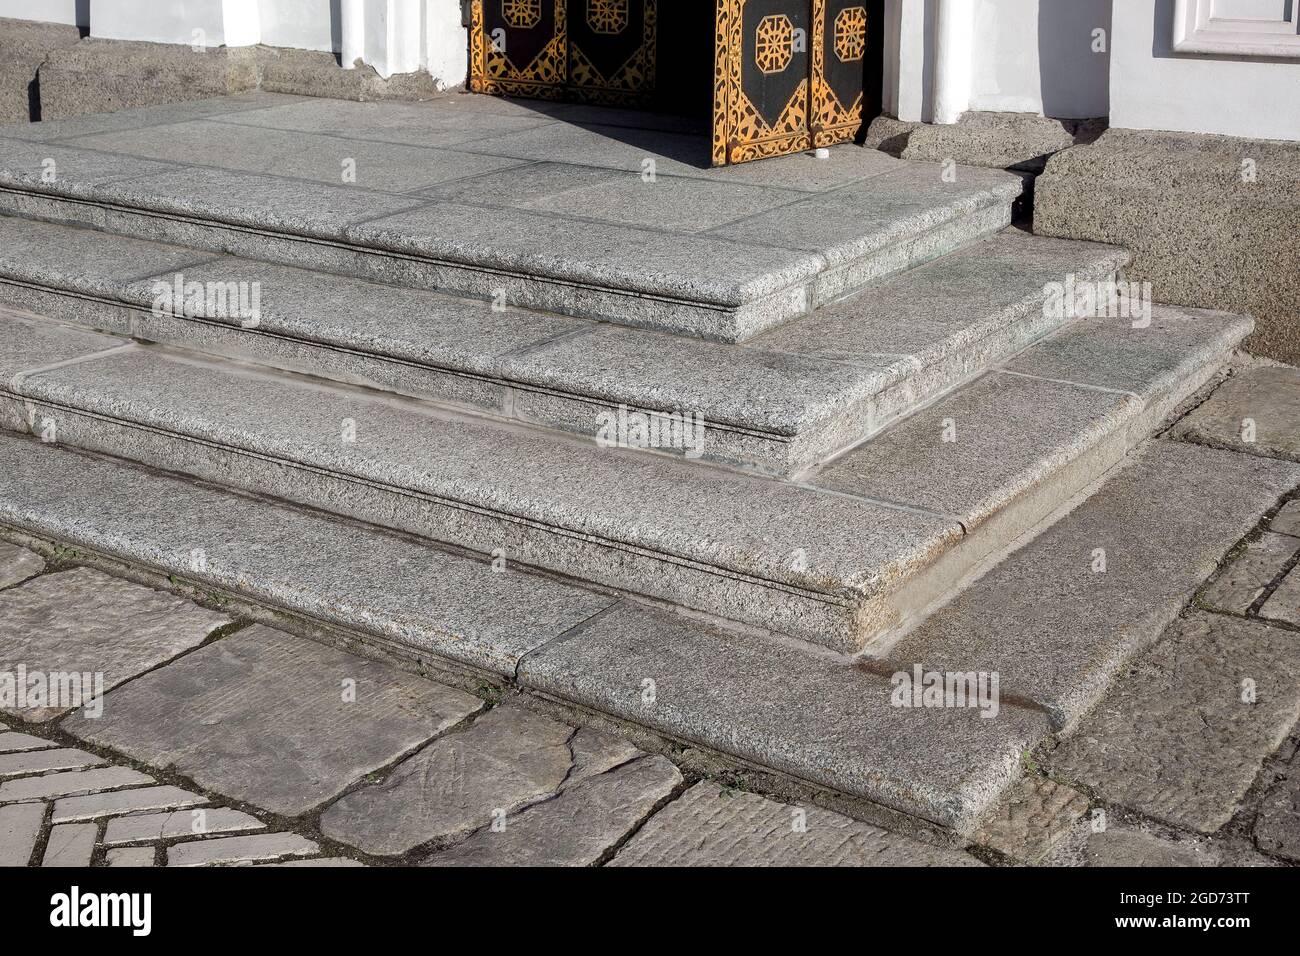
870, 541
780, 403
534, 211
940, 767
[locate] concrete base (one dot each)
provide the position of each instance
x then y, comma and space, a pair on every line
99, 76
1017, 141
24, 45
1210, 220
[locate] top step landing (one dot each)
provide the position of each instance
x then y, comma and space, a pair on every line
569, 211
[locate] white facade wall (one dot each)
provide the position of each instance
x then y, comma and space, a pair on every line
1153, 87
48, 11
1013, 56
1032, 56
299, 24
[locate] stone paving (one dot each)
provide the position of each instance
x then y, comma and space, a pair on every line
220, 741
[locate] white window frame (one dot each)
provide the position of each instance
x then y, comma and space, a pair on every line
1197, 30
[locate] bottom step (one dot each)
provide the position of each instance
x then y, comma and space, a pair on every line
824, 720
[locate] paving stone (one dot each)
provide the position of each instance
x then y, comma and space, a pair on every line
1250, 573
77, 171
1287, 521
929, 309
139, 117
31, 343
20, 825
14, 742
1012, 435
18, 564
595, 753
677, 154
508, 758
1063, 630
40, 761
222, 850
1269, 397
135, 856
1152, 361
1032, 817
710, 826
261, 716
904, 203
683, 205
1126, 847
386, 167
449, 604
330, 861
1174, 739
96, 805
178, 823
84, 621
70, 844
86, 260
417, 124
71, 783
576, 828
1277, 827
1284, 605
817, 718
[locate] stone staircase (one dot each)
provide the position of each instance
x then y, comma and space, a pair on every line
874, 402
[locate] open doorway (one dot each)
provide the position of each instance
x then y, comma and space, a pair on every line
771, 77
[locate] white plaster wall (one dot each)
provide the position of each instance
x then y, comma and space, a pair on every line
48, 11
1005, 63
299, 24
446, 43
159, 21
1191, 93
1027, 56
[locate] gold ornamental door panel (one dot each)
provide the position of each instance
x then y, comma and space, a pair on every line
788, 76
600, 51
518, 47
839, 52
762, 72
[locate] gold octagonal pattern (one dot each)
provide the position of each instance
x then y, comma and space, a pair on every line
774, 48
851, 34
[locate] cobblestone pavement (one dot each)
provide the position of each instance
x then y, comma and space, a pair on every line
213, 740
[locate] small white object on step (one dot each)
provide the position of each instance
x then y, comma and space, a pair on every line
822, 153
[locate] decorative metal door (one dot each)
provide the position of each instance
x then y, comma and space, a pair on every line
518, 48
600, 51
788, 75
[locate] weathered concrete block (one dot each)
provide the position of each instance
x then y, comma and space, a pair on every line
24, 45
1020, 141
1211, 221
99, 76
